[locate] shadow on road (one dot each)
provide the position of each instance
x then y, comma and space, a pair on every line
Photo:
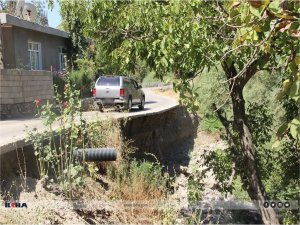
134, 110
19, 117
150, 102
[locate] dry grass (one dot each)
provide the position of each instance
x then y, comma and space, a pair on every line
107, 134
167, 92
131, 190
142, 186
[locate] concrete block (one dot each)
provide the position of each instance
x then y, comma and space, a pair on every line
32, 83
19, 100
26, 83
10, 83
16, 89
27, 88
44, 91
36, 78
26, 77
29, 99
4, 83
7, 101
26, 94
3, 71
35, 88
5, 89
26, 72
16, 78
49, 96
5, 95
15, 72
16, 95
29, 94
41, 82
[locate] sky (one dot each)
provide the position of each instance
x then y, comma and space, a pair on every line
54, 17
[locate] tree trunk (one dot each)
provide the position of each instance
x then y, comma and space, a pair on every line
253, 182
250, 177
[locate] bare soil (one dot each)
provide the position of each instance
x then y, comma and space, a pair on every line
93, 204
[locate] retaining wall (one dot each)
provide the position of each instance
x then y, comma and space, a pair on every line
19, 88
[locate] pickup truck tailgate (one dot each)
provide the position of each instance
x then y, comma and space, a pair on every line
108, 88
107, 92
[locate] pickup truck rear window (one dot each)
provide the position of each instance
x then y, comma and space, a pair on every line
109, 81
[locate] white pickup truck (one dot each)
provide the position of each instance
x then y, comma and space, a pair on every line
118, 91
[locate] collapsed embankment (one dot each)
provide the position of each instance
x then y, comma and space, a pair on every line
159, 133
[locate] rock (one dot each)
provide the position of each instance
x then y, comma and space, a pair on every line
184, 170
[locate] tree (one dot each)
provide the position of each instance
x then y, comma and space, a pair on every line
186, 37
73, 25
41, 17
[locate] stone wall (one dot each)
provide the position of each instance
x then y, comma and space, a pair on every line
19, 88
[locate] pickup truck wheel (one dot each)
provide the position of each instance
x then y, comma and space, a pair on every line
100, 107
142, 104
129, 105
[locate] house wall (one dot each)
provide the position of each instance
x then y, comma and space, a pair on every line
18, 55
8, 47
19, 89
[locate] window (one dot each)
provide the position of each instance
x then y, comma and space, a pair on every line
61, 56
35, 56
109, 81
134, 84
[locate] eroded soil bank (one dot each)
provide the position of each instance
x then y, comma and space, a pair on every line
170, 138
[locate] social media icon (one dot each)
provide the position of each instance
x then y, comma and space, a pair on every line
279, 204
286, 204
273, 204
266, 204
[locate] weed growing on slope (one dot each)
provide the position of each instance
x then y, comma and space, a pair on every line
143, 184
54, 146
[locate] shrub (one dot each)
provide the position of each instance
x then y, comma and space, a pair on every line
146, 188
138, 181
54, 148
59, 83
83, 81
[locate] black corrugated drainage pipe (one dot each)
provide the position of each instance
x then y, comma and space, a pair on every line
96, 154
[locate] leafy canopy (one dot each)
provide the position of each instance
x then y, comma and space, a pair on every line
186, 37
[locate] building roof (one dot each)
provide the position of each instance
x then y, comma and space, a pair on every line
18, 22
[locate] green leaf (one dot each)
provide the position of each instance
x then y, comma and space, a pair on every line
276, 144
296, 122
282, 129
294, 131
294, 91
256, 11
274, 6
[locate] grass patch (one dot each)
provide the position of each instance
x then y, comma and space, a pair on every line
211, 124
238, 191
150, 80
144, 185
138, 181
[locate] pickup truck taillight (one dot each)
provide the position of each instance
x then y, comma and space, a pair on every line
122, 92
94, 92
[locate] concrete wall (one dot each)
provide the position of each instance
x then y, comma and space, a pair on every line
19, 88
16, 53
168, 135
